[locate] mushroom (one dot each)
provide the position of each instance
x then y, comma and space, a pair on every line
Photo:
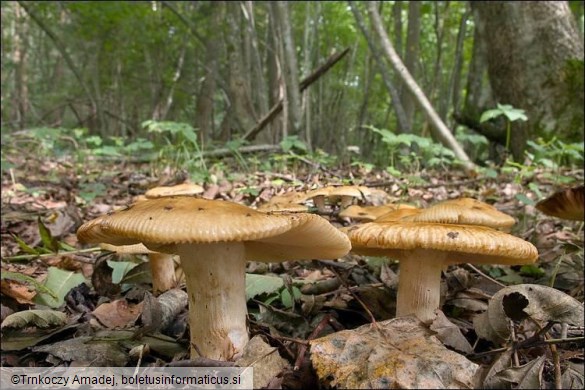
346, 194
423, 249
370, 213
162, 266
566, 204
318, 196
214, 239
466, 211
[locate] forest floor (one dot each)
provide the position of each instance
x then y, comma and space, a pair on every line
45, 200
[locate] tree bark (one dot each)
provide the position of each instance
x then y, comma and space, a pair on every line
403, 123
441, 131
535, 63
411, 57
212, 43
290, 65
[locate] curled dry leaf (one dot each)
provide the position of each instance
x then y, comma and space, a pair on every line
117, 314
398, 353
541, 303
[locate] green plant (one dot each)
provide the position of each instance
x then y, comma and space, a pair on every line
512, 114
181, 149
416, 152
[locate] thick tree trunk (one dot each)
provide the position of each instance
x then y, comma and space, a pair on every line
535, 62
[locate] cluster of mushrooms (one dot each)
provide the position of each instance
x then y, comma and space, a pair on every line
214, 239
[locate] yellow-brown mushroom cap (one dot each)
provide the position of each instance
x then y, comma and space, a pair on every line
162, 223
398, 215
566, 204
463, 243
465, 211
370, 213
179, 189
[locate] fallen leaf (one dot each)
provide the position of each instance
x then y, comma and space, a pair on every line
265, 360
397, 353
540, 303
18, 291
38, 318
118, 314
60, 283
449, 333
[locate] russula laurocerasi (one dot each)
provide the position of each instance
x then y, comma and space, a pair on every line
213, 240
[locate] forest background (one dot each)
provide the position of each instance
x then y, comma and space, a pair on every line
134, 77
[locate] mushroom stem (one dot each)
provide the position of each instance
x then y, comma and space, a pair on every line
162, 268
419, 284
215, 275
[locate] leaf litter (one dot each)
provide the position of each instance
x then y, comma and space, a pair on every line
330, 313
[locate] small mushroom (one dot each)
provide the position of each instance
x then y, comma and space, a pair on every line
566, 204
162, 266
346, 195
425, 248
214, 239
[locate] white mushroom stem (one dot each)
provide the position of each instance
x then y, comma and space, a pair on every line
216, 283
419, 283
319, 202
162, 268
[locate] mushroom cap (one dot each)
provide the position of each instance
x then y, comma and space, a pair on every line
398, 215
566, 204
179, 189
324, 191
355, 191
465, 211
162, 223
370, 213
289, 197
463, 243
283, 207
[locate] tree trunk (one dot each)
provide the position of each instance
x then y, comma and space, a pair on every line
410, 59
535, 63
403, 123
21, 103
441, 131
204, 107
291, 74
241, 116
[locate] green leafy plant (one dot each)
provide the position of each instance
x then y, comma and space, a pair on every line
421, 152
181, 149
509, 112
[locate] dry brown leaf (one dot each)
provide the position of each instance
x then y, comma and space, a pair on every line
18, 291
265, 360
449, 333
397, 353
118, 314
